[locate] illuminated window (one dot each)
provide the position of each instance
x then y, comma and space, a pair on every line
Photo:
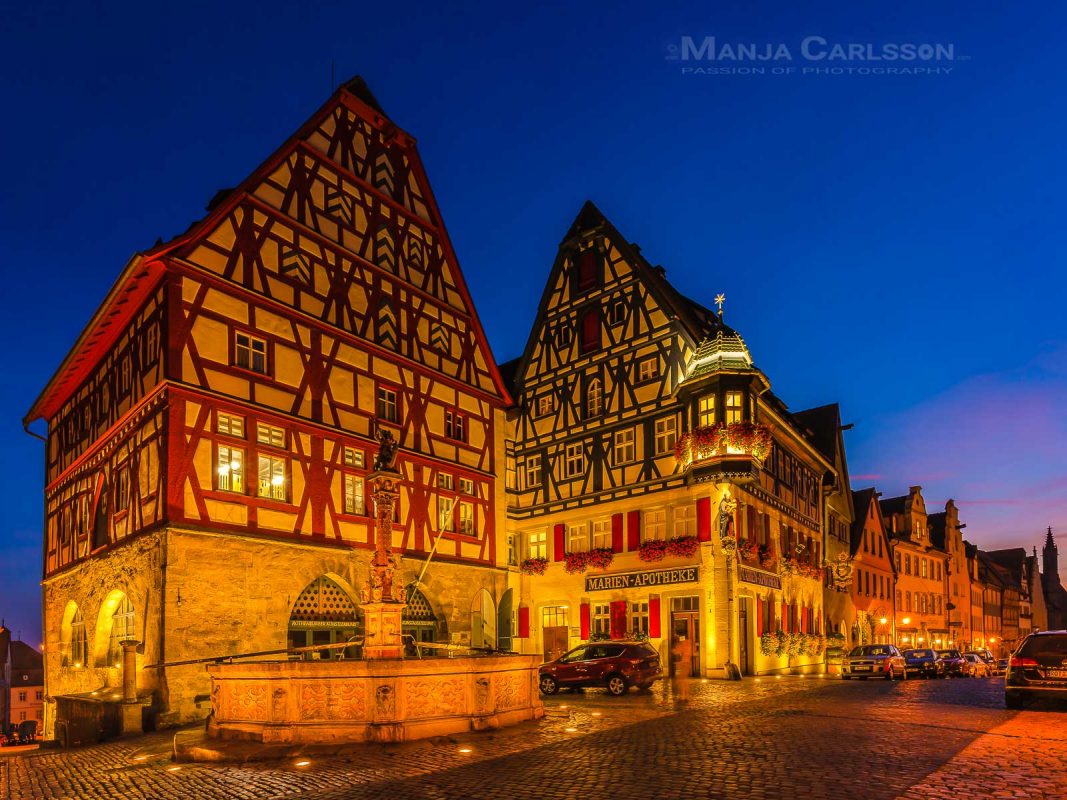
601, 619
230, 469
77, 647
923, 565
625, 446
654, 524
544, 405
733, 406
577, 538
602, 534
466, 486
537, 545
511, 475
456, 426
575, 461
250, 353
907, 564
554, 617
706, 410
122, 487
533, 471
445, 518
269, 434
272, 477
594, 398
666, 435
122, 630
445, 481
353, 458
353, 495
230, 425
647, 368
466, 518
639, 618
387, 408
685, 520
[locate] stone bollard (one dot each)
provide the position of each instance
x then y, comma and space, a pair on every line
130, 714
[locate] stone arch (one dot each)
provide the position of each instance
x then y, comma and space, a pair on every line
420, 620
115, 624
483, 620
74, 646
326, 611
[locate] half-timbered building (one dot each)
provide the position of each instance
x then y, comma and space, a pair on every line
873, 591
210, 432
660, 488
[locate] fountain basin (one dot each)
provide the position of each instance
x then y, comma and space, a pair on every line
389, 700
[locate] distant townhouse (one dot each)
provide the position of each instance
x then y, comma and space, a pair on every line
874, 594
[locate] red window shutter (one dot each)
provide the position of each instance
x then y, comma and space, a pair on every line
704, 519
590, 330
618, 619
804, 621
587, 269
558, 542
616, 533
759, 616
785, 617
633, 531
524, 622
653, 617
751, 524
583, 613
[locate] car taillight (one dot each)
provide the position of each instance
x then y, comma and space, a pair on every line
1021, 662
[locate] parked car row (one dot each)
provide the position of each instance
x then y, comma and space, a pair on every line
886, 661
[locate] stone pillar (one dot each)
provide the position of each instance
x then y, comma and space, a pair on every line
383, 598
130, 712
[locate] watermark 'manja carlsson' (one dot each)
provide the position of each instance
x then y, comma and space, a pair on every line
812, 55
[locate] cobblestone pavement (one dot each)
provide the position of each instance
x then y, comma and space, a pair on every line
791, 737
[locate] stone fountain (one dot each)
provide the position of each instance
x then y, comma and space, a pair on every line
384, 697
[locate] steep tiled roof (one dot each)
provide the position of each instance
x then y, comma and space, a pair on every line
824, 423
1011, 561
861, 502
894, 505
936, 523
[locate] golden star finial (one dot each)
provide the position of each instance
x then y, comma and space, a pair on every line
719, 300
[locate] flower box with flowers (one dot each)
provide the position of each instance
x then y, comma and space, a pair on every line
683, 546
747, 551
600, 558
766, 557
652, 550
723, 439
534, 566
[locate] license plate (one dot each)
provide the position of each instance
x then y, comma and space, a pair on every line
1057, 673
861, 669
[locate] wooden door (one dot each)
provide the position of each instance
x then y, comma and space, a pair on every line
687, 624
745, 654
555, 641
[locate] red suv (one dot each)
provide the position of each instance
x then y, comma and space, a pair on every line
614, 665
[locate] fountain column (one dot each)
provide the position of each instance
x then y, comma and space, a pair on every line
383, 597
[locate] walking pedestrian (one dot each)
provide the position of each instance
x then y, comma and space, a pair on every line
682, 656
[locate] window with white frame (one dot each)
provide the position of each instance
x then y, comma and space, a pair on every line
353, 457
654, 524
601, 619
456, 426
230, 425
648, 368
666, 435
639, 618
445, 518
445, 481
353, 489
685, 520
533, 471
594, 398
466, 518
537, 544
466, 486
602, 534
270, 435
250, 353
575, 461
230, 469
625, 446
577, 538
387, 407
272, 477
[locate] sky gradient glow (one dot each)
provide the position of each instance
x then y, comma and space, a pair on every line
892, 243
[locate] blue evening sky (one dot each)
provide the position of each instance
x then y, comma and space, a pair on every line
890, 242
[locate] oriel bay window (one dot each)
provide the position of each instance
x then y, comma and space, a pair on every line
272, 477
706, 411
229, 469
250, 353
734, 410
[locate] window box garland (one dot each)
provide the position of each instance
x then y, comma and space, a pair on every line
792, 566
534, 566
683, 546
652, 550
723, 439
658, 549
598, 558
779, 643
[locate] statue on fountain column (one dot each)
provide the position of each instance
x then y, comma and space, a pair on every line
385, 461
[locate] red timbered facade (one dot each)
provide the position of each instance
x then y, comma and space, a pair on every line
210, 434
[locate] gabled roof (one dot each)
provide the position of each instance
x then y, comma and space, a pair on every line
697, 320
824, 422
992, 573
27, 665
861, 502
1012, 560
145, 269
937, 523
894, 505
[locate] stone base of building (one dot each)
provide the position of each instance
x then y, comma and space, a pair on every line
287, 702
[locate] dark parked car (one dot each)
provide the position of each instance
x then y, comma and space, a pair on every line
873, 661
924, 662
1038, 667
1002, 666
614, 665
956, 666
